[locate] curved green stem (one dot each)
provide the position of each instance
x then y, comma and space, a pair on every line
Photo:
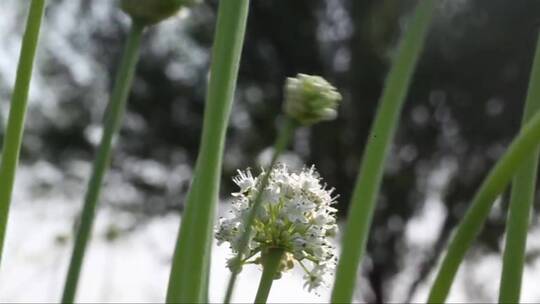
522, 148
281, 143
271, 260
17, 113
112, 124
191, 260
521, 202
370, 175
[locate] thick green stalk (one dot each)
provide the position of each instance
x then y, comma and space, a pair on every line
521, 202
271, 261
369, 179
191, 257
521, 149
112, 124
281, 143
17, 113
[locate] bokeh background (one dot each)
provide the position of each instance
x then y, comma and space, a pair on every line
463, 108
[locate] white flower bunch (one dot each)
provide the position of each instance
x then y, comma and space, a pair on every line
296, 215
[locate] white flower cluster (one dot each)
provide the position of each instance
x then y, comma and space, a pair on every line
296, 215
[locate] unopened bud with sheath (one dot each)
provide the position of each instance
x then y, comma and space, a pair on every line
149, 12
310, 99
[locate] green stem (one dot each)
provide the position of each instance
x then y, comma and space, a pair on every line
521, 202
112, 124
17, 113
271, 260
191, 260
370, 175
281, 143
521, 149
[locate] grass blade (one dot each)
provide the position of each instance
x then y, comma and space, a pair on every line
17, 114
521, 149
521, 201
370, 175
112, 124
192, 254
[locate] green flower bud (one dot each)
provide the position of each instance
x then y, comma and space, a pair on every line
310, 99
149, 12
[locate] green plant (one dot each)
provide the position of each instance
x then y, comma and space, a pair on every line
189, 272
143, 13
521, 201
112, 124
369, 179
285, 212
17, 114
148, 12
308, 100
282, 219
281, 143
522, 152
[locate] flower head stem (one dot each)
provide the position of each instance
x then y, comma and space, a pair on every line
271, 261
15, 125
112, 123
282, 141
